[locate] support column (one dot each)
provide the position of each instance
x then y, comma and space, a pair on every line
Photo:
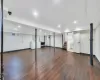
62, 40
91, 44
35, 45
44, 40
49, 41
54, 42
2, 69
35, 54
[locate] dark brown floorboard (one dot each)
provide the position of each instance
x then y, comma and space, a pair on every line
60, 65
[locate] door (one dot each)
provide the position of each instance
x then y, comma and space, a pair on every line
77, 44
70, 41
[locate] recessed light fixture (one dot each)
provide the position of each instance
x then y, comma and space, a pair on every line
35, 13
75, 22
19, 26
56, 1
59, 26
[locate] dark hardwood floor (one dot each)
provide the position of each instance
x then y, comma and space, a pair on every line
60, 65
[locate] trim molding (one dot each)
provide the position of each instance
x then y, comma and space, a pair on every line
16, 50
53, 47
97, 59
85, 54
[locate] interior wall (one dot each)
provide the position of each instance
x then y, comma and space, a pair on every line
85, 42
52, 40
19, 41
41, 38
97, 42
14, 40
58, 41
47, 40
81, 42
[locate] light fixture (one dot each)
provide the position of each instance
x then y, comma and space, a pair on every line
75, 22
59, 26
35, 13
56, 1
67, 30
19, 26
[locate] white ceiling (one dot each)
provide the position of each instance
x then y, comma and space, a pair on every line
55, 12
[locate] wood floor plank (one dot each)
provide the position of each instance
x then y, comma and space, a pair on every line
61, 65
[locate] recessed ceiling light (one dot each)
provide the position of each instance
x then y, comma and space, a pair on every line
59, 26
19, 26
56, 1
35, 13
75, 22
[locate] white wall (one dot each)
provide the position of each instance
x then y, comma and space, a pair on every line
47, 41
58, 41
16, 42
97, 42
80, 40
85, 42
52, 40
38, 42
22, 39
19, 41
41, 38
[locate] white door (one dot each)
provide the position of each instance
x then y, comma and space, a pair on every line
77, 44
70, 42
